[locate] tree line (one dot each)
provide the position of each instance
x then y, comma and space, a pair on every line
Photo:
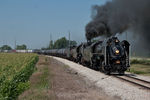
60, 43
18, 47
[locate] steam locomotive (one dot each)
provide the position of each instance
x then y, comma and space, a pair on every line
107, 56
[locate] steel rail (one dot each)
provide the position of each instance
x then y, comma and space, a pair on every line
135, 83
144, 81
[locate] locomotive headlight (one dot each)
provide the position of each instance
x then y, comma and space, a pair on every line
116, 41
117, 62
117, 51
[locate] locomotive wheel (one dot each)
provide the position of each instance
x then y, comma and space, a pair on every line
79, 58
103, 70
94, 66
91, 64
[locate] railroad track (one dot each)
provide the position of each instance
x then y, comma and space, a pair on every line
143, 84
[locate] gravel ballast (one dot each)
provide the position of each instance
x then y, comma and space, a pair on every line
109, 84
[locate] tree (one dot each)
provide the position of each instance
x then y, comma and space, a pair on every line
73, 43
61, 43
21, 47
43, 48
5, 47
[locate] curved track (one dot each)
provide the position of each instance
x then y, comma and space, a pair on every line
143, 84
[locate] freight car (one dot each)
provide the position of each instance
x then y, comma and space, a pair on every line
107, 56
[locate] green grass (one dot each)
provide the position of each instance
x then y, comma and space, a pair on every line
140, 69
40, 82
15, 70
44, 82
140, 66
140, 61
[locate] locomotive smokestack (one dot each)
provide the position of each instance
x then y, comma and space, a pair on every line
117, 16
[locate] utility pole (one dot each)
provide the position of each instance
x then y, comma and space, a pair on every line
15, 44
69, 39
50, 37
3, 42
50, 43
6, 42
69, 44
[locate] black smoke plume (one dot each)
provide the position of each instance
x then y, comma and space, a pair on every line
117, 16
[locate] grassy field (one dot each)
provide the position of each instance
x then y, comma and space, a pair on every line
140, 66
40, 82
15, 70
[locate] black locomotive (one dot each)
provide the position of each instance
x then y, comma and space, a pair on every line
107, 56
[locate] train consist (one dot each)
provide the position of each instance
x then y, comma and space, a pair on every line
107, 56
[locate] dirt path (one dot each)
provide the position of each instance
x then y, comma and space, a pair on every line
60, 83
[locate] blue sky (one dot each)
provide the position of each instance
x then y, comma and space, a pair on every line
31, 22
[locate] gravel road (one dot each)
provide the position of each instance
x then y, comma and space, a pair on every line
109, 84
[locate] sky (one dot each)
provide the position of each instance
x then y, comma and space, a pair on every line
31, 22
